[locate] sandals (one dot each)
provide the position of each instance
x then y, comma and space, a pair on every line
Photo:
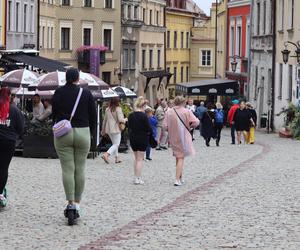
118, 161
105, 159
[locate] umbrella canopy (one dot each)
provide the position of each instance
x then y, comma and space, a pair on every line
124, 92
54, 80
19, 77
24, 92
104, 94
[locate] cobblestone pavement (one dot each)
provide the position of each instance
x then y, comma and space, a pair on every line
244, 197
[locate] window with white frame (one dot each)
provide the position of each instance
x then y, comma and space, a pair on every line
291, 13
205, 58
87, 34
32, 19
25, 16
107, 36
264, 17
231, 45
109, 4
66, 36
238, 49
66, 2
258, 18
248, 36
281, 15
88, 3
132, 58
125, 59
18, 16
9, 16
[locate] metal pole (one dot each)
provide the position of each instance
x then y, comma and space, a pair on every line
216, 38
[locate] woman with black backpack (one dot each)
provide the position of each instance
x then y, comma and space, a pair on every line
219, 122
208, 125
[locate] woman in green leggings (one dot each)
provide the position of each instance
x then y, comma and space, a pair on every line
73, 148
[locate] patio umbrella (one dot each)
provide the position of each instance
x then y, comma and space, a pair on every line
104, 94
54, 80
124, 92
17, 78
47, 94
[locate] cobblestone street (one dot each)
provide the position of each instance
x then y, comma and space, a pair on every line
244, 197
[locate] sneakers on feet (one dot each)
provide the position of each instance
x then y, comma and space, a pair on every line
158, 148
182, 181
163, 147
148, 159
177, 183
3, 201
138, 181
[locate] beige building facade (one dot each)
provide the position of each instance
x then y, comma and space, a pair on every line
66, 25
287, 76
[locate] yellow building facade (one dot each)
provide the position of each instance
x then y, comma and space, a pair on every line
2, 23
179, 23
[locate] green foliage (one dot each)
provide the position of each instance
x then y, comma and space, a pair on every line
292, 119
126, 109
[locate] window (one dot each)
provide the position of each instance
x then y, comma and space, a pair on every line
232, 41
9, 16
65, 2
280, 81
150, 58
258, 19
291, 13
181, 74
129, 12
32, 15
175, 39
106, 77
65, 38
107, 38
239, 40
281, 15
48, 37
125, 59
43, 37
157, 18
51, 37
143, 58
290, 86
264, 17
136, 12
109, 4
25, 18
150, 17
144, 15
181, 39
87, 32
17, 16
132, 59
187, 39
158, 58
206, 58
87, 3
168, 39
175, 75
256, 82
187, 74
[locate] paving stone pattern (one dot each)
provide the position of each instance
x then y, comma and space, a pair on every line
244, 197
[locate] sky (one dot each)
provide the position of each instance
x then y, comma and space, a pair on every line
204, 5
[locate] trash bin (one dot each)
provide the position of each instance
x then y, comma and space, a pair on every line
263, 120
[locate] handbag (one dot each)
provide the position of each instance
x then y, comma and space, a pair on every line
121, 125
64, 127
153, 143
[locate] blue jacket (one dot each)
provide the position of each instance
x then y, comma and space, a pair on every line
200, 111
153, 123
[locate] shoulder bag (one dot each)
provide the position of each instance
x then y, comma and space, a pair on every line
188, 129
63, 127
121, 125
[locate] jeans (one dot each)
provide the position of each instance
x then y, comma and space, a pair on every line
233, 134
148, 152
218, 128
72, 150
7, 150
116, 140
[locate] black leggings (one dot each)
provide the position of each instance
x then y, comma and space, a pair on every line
7, 149
218, 129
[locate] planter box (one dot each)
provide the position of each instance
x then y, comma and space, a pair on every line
36, 146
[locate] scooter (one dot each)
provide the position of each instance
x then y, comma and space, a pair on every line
71, 213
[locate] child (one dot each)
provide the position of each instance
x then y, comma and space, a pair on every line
153, 123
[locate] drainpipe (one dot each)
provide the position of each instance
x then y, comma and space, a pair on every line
249, 51
38, 25
165, 40
216, 37
273, 65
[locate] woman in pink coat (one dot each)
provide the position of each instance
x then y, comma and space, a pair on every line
178, 122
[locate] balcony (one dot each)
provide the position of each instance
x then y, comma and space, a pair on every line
83, 59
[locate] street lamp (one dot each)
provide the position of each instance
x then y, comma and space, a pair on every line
234, 63
286, 52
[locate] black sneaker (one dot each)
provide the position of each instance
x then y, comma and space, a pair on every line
148, 159
163, 147
158, 148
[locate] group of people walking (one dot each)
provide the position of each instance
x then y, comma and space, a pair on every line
169, 124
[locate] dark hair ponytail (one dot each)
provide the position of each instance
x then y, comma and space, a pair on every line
72, 75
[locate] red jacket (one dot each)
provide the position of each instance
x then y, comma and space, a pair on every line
231, 113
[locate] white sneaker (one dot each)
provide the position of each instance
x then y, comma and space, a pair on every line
3, 201
138, 181
182, 181
177, 183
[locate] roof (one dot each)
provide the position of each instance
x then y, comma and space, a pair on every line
221, 87
43, 63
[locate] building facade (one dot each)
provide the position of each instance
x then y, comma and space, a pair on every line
21, 24
202, 53
287, 74
179, 23
238, 43
66, 26
262, 57
2, 23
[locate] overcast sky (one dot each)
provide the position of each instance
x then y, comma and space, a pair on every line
205, 5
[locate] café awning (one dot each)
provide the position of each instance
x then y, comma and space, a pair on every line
220, 87
160, 74
40, 62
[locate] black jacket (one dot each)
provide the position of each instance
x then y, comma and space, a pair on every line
63, 102
13, 127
